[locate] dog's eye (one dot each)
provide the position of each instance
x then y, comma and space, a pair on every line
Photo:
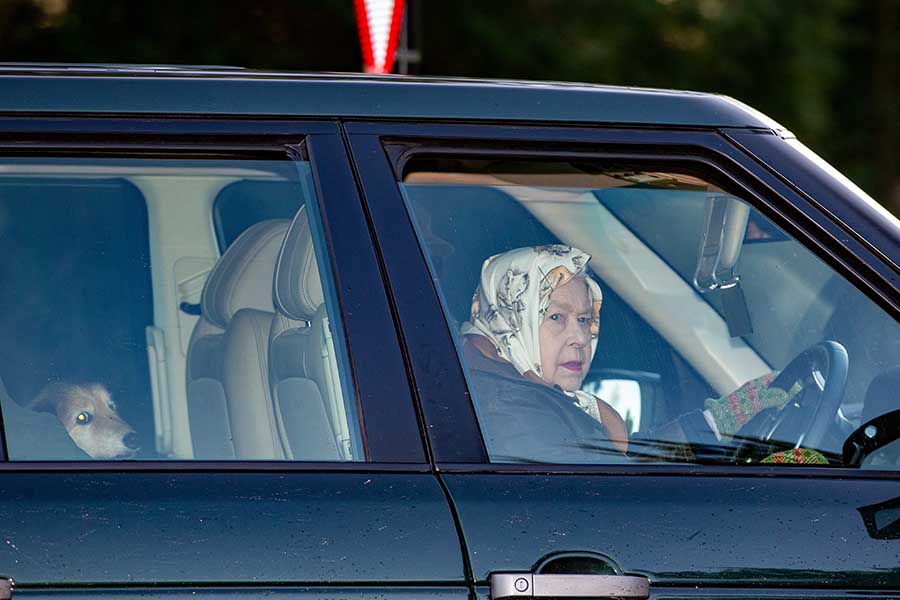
83, 418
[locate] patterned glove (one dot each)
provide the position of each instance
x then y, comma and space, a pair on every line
730, 412
797, 456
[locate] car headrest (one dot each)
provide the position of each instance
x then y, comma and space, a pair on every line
242, 278
298, 287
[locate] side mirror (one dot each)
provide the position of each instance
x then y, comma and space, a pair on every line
636, 395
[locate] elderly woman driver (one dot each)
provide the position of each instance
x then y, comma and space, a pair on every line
528, 346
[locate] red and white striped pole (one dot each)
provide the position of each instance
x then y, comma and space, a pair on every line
379, 29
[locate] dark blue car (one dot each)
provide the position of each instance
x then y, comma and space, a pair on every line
353, 337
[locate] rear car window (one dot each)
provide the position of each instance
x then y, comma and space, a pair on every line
75, 277
144, 319
243, 203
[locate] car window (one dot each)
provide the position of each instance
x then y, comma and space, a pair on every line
129, 334
609, 313
243, 203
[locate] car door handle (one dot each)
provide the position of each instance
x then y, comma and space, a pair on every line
527, 585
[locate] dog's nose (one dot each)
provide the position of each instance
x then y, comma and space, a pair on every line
131, 441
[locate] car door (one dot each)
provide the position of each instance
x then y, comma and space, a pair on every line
113, 233
681, 515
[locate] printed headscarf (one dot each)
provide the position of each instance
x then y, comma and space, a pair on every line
514, 293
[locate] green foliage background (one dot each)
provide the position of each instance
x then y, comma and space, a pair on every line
829, 70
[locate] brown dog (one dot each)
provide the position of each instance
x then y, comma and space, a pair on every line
89, 415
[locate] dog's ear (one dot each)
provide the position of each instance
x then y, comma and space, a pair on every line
48, 398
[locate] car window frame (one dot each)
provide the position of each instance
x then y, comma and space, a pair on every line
392, 432
872, 224
445, 401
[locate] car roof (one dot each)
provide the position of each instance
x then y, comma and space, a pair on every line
193, 90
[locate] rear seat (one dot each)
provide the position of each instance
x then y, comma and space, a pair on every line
303, 368
229, 407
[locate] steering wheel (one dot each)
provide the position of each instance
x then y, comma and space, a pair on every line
821, 371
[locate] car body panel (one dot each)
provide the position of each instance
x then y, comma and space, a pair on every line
271, 94
698, 531
279, 592
77, 529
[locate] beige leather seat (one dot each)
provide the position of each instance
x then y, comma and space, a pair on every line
229, 405
304, 375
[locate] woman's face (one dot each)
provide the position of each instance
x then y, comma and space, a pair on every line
565, 336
